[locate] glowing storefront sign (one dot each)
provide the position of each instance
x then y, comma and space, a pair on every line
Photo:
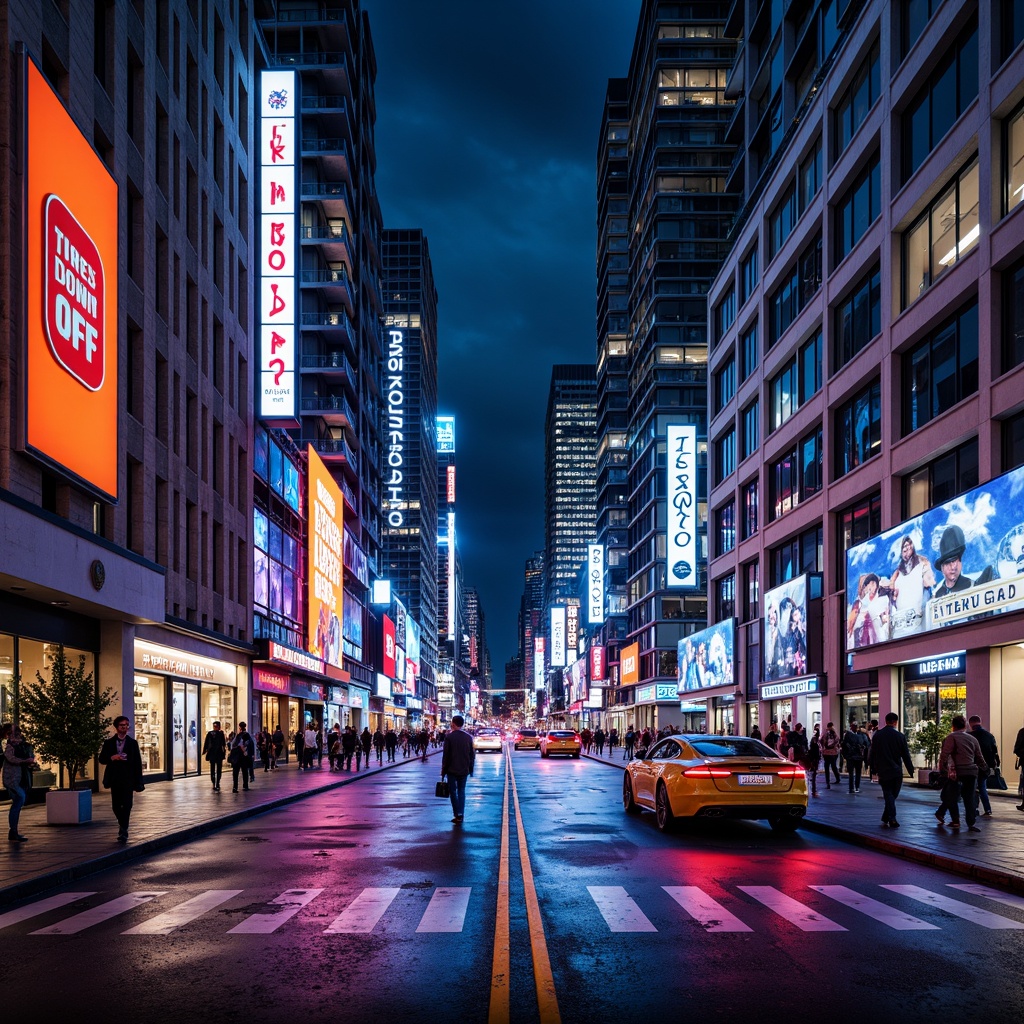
558, 637
278, 259
394, 487
791, 688
446, 433
326, 594
595, 584
681, 546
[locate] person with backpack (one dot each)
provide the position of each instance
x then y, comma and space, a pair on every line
830, 752
855, 749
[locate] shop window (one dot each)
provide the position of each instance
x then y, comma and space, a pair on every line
926, 714
150, 701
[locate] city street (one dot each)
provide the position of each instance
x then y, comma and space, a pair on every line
367, 899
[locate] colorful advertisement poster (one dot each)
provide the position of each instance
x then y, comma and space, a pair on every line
558, 637
681, 541
959, 561
598, 676
446, 433
595, 584
326, 592
71, 359
705, 659
785, 630
389, 647
629, 664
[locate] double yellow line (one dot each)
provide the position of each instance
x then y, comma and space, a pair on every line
547, 1001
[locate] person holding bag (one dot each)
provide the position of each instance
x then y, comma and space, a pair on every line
241, 757
962, 759
990, 751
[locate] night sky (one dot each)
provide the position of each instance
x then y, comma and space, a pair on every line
488, 117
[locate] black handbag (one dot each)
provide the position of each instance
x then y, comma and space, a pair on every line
996, 780
441, 788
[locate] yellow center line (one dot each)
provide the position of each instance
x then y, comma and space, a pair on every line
499, 1006
547, 1001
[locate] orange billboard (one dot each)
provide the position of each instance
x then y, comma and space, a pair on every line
326, 562
71, 378
629, 664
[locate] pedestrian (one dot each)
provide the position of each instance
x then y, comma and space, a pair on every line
599, 741
755, 733
334, 747
830, 754
308, 747
19, 762
265, 743
962, 759
424, 743
403, 739
300, 748
215, 749
349, 746
888, 756
990, 752
630, 743
613, 740
457, 760
586, 738
1018, 750
366, 744
240, 757
391, 743
855, 748
645, 738
772, 735
811, 758
378, 745
122, 774
797, 740
319, 744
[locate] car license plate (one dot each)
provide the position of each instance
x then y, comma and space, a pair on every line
754, 780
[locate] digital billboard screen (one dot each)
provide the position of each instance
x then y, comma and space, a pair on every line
705, 659
785, 630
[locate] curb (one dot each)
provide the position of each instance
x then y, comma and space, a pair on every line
127, 854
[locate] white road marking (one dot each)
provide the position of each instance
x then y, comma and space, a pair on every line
619, 909
703, 909
41, 907
992, 894
97, 915
291, 900
190, 910
446, 911
363, 912
873, 908
792, 910
955, 907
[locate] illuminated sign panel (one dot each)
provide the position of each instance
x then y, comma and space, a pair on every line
598, 676
326, 594
451, 485
681, 547
705, 659
452, 597
278, 259
572, 630
791, 688
595, 584
558, 637
629, 664
394, 486
71, 356
785, 630
446, 433
538, 662
389, 648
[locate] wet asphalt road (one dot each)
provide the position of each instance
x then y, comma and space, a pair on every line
367, 903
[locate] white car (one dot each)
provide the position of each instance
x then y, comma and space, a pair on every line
488, 739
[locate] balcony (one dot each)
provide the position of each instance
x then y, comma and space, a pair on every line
334, 409
310, 58
333, 154
334, 284
335, 196
335, 451
330, 364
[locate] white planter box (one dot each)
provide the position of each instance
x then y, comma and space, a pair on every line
68, 806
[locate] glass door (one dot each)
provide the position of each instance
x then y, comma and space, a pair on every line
192, 735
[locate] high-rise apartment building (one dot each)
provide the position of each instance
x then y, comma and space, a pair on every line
866, 367
532, 626
678, 217
410, 552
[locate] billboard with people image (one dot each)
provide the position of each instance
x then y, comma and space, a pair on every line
959, 561
785, 630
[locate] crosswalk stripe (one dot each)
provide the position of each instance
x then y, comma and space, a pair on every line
190, 910
97, 915
964, 910
792, 910
41, 907
619, 909
291, 901
363, 912
446, 911
873, 908
703, 909
992, 894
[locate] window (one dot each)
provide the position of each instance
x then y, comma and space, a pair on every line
725, 314
725, 385
781, 221
752, 592
858, 318
1011, 26
801, 554
942, 370
858, 428
749, 352
796, 476
941, 479
810, 176
852, 109
749, 275
798, 380
914, 16
750, 491
856, 524
1013, 316
726, 528
1013, 442
942, 234
1013, 150
795, 291
942, 99
725, 457
751, 430
857, 209
725, 598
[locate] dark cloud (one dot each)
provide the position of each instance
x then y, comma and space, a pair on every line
488, 117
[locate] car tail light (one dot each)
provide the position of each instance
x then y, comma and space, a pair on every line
791, 773
706, 772
577, 738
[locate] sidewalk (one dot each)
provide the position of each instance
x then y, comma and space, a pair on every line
166, 814
995, 855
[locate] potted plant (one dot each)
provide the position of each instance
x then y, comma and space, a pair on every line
927, 741
65, 723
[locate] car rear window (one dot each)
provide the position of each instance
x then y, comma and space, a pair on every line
489, 732
732, 746
561, 734
528, 732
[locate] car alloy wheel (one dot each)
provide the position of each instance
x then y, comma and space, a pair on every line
662, 809
629, 805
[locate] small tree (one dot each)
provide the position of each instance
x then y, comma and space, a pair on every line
928, 738
64, 716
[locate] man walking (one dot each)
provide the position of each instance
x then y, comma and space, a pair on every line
888, 756
990, 752
215, 749
457, 760
855, 748
961, 757
830, 752
241, 757
122, 774
308, 747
